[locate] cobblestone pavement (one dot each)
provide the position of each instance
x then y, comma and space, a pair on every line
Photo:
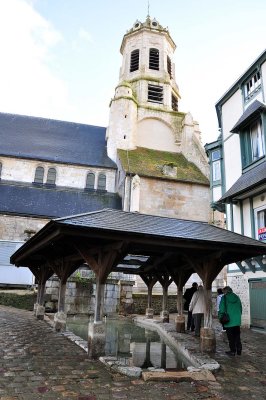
38, 363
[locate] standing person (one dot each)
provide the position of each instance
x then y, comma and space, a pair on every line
198, 307
218, 299
188, 296
231, 304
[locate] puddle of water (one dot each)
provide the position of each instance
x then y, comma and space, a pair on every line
132, 345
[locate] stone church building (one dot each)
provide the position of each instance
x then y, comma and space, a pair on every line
149, 159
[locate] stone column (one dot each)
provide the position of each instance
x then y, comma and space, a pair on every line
99, 298
126, 304
149, 309
61, 317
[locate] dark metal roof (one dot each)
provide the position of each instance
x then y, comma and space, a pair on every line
52, 202
143, 224
251, 112
248, 181
150, 244
53, 141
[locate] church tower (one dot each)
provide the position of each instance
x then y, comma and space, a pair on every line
145, 109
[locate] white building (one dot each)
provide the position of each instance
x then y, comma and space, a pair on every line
238, 180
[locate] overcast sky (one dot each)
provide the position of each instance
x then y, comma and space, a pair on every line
60, 58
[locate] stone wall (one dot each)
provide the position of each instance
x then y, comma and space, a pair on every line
19, 228
140, 303
80, 296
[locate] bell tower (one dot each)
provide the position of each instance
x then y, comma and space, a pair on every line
146, 88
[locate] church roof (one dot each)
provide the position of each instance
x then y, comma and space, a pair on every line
54, 141
52, 202
154, 163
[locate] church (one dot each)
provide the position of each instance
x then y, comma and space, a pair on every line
149, 159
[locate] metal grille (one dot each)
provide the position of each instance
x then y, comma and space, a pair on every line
134, 61
154, 59
155, 94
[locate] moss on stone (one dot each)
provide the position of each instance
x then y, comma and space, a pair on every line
150, 163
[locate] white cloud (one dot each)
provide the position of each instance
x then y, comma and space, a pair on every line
27, 83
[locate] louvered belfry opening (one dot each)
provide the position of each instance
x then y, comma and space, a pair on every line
169, 66
154, 59
155, 94
174, 103
134, 60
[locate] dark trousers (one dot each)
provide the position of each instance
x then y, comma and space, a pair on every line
198, 319
233, 335
190, 321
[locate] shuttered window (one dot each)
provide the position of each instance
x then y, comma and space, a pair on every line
134, 61
90, 181
39, 175
174, 103
155, 94
102, 182
154, 59
169, 66
51, 176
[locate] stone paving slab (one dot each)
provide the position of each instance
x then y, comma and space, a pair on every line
38, 363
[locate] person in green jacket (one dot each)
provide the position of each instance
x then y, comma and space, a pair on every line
231, 304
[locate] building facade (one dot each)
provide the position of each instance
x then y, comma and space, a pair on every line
238, 180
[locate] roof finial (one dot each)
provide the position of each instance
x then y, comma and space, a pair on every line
148, 16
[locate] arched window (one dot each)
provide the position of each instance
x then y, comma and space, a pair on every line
39, 173
154, 59
90, 181
134, 60
51, 176
0, 169
102, 182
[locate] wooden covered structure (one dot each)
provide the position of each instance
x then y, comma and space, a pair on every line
157, 248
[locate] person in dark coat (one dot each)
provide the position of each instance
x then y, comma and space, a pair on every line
231, 304
188, 296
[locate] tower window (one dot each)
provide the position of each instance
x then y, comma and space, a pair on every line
155, 94
102, 182
174, 103
169, 66
90, 180
134, 61
154, 59
51, 176
39, 173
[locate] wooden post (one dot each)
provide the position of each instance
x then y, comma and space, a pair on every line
99, 298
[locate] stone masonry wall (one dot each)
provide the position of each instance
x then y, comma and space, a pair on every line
19, 228
80, 296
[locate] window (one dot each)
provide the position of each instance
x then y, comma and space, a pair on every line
134, 61
102, 182
0, 169
216, 165
252, 143
174, 103
39, 175
90, 181
252, 86
257, 141
155, 94
169, 66
51, 176
154, 59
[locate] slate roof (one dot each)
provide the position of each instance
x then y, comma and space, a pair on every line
151, 225
251, 112
248, 181
52, 202
150, 163
53, 141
